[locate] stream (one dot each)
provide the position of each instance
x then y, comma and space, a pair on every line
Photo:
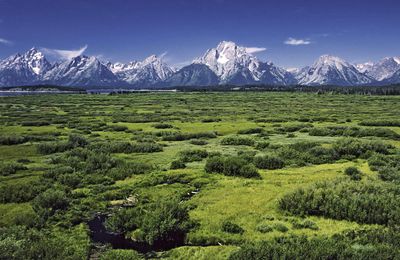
101, 236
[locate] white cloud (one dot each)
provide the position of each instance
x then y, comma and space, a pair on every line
296, 42
255, 49
162, 55
65, 54
6, 42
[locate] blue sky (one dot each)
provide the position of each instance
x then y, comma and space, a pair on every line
119, 30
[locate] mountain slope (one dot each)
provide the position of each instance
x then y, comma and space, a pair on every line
394, 79
23, 69
330, 70
193, 75
235, 65
82, 71
148, 72
384, 69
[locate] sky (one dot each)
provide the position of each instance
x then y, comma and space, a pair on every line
288, 33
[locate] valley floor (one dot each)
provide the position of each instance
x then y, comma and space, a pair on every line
228, 161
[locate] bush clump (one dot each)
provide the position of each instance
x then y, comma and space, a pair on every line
193, 155
280, 227
187, 136
237, 140
363, 202
264, 228
11, 168
306, 224
268, 162
230, 227
162, 126
256, 130
354, 173
231, 166
198, 142
347, 245
177, 164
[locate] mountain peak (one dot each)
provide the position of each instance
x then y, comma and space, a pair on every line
332, 70
225, 44
326, 58
151, 59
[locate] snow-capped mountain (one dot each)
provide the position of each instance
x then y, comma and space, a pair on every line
24, 69
148, 72
81, 71
193, 75
365, 67
228, 63
385, 68
330, 70
394, 79
234, 64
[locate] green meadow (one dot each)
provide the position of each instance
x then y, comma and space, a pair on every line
200, 175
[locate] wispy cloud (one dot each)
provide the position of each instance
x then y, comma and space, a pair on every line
255, 49
163, 55
296, 42
5, 41
64, 54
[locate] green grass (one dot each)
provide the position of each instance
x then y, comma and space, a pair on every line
246, 202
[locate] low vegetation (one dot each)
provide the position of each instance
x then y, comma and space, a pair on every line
204, 175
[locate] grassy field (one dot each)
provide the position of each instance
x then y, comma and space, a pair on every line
163, 126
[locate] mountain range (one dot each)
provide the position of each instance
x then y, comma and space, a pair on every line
227, 64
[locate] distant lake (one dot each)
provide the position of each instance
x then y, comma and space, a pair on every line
23, 93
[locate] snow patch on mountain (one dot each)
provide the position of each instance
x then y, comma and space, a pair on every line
331, 70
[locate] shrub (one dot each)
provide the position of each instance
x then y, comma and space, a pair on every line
354, 173
127, 147
356, 148
11, 168
256, 130
162, 224
264, 228
268, 162
193, 155
51, 199
125, 170
231, 166
380, 123
354, 132
12, 140
229, 227
389, 174
210, 120
162, 126
34, 123
280, 227
198, 142
262, 145
53, 147
306, 224
363, 202
117, 128
237, 140
249, 171
347, 245
21, 191
188, 136
214, 164
146, 148
177, 164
